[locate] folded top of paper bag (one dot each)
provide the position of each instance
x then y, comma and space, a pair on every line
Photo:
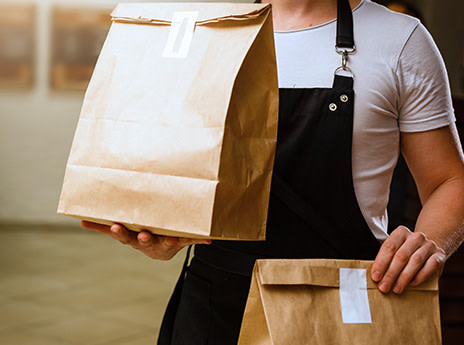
318, 272
162, 13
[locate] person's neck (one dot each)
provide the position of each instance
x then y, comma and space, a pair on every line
299, 14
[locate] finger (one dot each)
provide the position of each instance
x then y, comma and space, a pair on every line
189, 241
415, 264
434, 263
387, 251
160, 247
163, 247
400, 260
144, 238
179, 242
151, 243
95, 226
183, 242
170, 241
202, 242
165, 243
120, 233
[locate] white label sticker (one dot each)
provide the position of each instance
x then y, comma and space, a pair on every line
353, 296
180, 35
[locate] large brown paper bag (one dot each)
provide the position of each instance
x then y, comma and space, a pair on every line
335, 302
178, 128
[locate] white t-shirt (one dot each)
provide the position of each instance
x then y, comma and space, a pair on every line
400, 84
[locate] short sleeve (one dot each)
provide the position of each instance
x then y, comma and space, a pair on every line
423, 86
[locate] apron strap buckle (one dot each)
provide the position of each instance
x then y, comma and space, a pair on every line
344, 53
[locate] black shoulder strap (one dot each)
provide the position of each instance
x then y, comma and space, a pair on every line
344, 25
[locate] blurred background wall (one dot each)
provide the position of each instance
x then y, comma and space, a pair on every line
38, 115
38, 118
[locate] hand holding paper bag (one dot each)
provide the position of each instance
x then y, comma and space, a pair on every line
406, 258
154, 246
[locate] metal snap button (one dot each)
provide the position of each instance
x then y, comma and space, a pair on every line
332, 106
344, 98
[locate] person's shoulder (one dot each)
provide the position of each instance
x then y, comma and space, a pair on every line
384, 19
381, 30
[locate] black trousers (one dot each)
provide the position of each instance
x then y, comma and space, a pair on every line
211, 306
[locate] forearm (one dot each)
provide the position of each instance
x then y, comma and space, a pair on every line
437, 164
442, 216
412, 257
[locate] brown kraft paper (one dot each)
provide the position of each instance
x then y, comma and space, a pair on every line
302, 302
177, 135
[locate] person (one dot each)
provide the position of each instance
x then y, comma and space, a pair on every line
339, 139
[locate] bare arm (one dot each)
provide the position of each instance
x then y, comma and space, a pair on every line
436, 162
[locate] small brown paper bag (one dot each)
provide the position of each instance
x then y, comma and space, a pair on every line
178, 128
335, 302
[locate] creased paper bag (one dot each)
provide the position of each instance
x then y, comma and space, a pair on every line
335, 302
178, 128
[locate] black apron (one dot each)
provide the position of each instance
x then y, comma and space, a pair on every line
313, 211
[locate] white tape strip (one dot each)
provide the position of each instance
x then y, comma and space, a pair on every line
180, 35
353, 296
